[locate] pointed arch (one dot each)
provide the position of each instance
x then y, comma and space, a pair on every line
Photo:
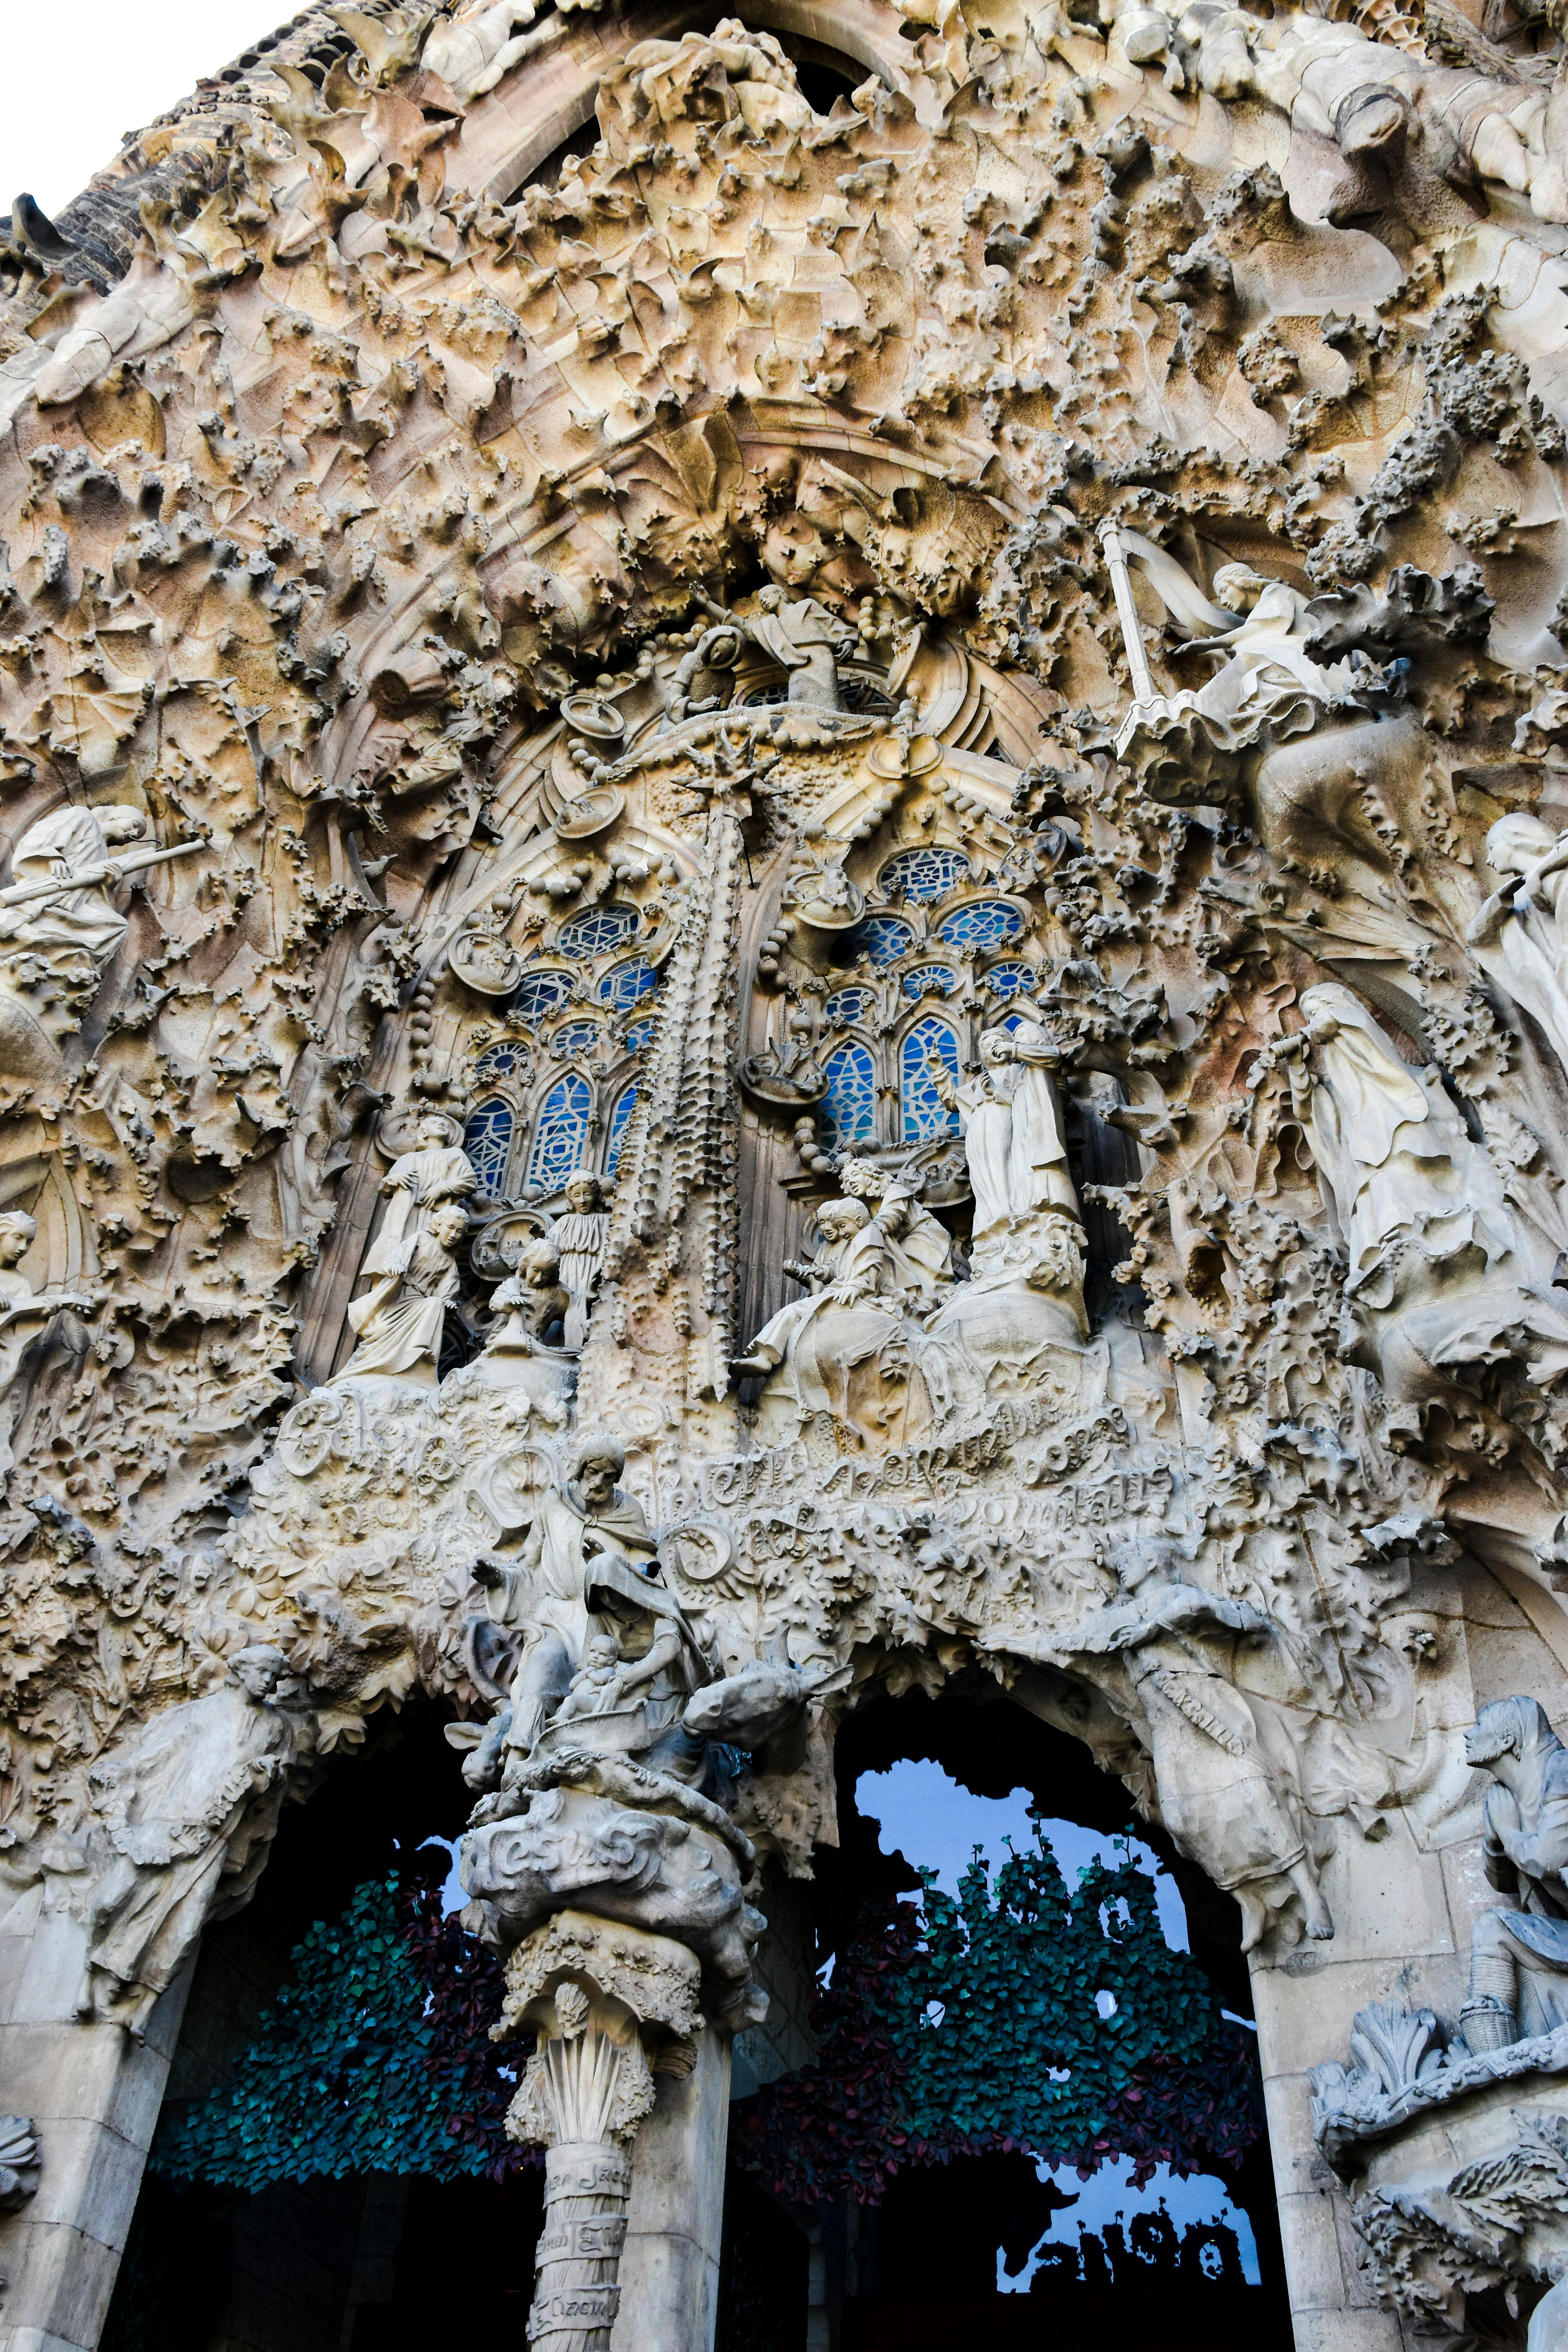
561, 1131
487, 1139
923, 1113
849, 1106
620, 1119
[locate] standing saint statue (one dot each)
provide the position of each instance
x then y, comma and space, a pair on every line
399, 1322
415, 1185
1521, 933
579, 1238
25, 1314
1011, 1139
186, 1808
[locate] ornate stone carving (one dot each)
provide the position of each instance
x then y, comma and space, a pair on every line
953, 698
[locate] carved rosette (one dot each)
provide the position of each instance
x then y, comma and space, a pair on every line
611, 2008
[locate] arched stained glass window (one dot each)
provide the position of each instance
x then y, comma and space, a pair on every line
1005, 980
882, 938
561, 1132
618, 1118
924, 1112
487, 1139
924, 873
578, 1037
984, 923
540, 992
849, 1106
498, 1061
847, 1004
598, 931
930, 980
626, 982
640, 1034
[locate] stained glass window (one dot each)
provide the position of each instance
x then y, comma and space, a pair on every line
640, 1034
847, 1004
487, 1139
541, 991
598, 931
925, 1113
626, 982
924, 873
930, 980
1005, 980
882, 938
561, 1132
849, 1106
984, 923
578, 1037
618, 1118
498, 1061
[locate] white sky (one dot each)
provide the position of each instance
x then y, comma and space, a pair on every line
78, 74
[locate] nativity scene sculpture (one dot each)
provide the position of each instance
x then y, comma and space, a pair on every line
785, 922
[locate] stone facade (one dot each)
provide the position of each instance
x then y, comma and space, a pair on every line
785, 916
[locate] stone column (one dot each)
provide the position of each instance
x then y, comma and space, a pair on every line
605, 2001
670, 2272
92, 2094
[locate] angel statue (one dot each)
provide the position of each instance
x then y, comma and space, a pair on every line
1521, 932
399, 1323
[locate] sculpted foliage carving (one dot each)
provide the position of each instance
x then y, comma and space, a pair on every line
947, 703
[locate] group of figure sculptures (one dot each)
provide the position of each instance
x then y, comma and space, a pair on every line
643, 1551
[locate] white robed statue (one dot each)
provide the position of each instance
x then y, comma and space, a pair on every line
1520, 934
83, 919
415, 1186
399, 1323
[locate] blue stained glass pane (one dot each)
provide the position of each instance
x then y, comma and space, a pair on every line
597, 931
1013, 1021
561, 1132
849, 1106
487, 1139
847, 1005
925, 1113
497, 1062
882, 938
640, 1034
541, 993
924, 873
577, 1037
618, 1118
930, 980
1005, 980
984, 923
626, 982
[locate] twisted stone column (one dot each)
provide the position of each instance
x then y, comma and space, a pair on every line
609, 2005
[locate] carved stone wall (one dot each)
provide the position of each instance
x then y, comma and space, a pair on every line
785, 915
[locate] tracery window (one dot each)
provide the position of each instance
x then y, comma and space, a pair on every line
930, 980
924, 1112
596, 931
849, 1106
618, 1118
1009, 979
487, 1139
847, 1005
984, 923
502, 1061
540, 992
626, 982
923, 875
883, 938
577, 1037
561, 1132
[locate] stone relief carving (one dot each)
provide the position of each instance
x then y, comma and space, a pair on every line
959, 712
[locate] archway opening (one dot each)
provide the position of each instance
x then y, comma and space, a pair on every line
982, 2232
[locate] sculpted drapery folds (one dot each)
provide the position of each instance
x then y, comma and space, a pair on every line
948, 700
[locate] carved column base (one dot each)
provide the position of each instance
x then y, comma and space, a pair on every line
610, 2005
